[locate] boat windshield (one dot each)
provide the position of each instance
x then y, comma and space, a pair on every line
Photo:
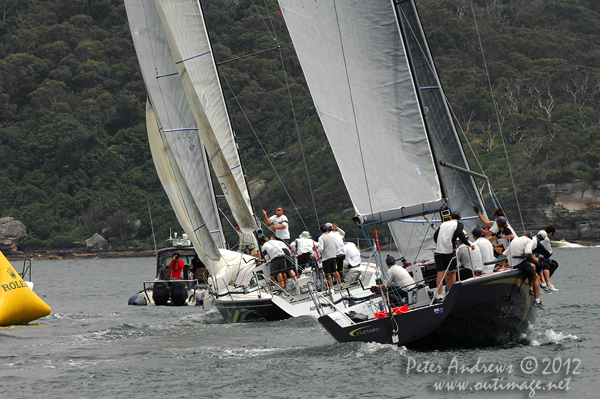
186, 255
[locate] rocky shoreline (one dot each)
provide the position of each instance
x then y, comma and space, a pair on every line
80, 254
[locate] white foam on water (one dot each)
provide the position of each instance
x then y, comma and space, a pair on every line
371, 347
248, 352
557, 337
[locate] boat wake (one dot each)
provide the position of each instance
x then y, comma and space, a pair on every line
369, 348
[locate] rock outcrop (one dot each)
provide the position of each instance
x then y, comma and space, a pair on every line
96, 243
12, 234
575, 213
125, 231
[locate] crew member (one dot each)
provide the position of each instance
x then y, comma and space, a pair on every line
445, 237
279, 224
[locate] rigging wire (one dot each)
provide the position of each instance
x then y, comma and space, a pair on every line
263, 20
260, 220
457, 123
250, 183
497, 114
152, 226
264, 150
226, 218
293, 113
295, 123
440, 147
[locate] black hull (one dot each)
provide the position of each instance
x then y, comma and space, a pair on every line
257, 310
488, 311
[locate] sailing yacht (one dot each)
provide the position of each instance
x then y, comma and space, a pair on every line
379, 98
186, 118
188, 127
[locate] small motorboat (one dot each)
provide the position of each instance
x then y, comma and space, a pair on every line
164, 290
564, 244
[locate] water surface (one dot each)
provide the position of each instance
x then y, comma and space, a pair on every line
93, 345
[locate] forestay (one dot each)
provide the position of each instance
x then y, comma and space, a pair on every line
181, 147
187, 36
358, 74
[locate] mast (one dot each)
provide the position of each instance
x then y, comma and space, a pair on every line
422, 107
460, 189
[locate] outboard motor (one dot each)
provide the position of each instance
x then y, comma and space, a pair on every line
179, 293
160, 294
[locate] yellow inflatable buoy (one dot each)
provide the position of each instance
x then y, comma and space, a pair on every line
18, 303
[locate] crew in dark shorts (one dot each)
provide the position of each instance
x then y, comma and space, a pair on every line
326, 248
304, 246
289, 264
445, 238
503, 236
523, 247
274, 253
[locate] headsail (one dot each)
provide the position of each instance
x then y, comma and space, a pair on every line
187, 36
358, 74
179, 134
174, 184
222, 264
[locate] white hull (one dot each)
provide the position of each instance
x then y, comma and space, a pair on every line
565, 244
259, 302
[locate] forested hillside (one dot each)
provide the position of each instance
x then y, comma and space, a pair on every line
74, 157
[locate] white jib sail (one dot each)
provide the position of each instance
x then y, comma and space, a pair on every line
179, 194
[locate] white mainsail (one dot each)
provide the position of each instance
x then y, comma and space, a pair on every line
178, 132
357, 72
183, 23
178, 150
372, 80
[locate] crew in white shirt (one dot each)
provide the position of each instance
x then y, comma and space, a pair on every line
279, 224
352, 255
401, 281
304, 246
520, 256
486, 249
340, 250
